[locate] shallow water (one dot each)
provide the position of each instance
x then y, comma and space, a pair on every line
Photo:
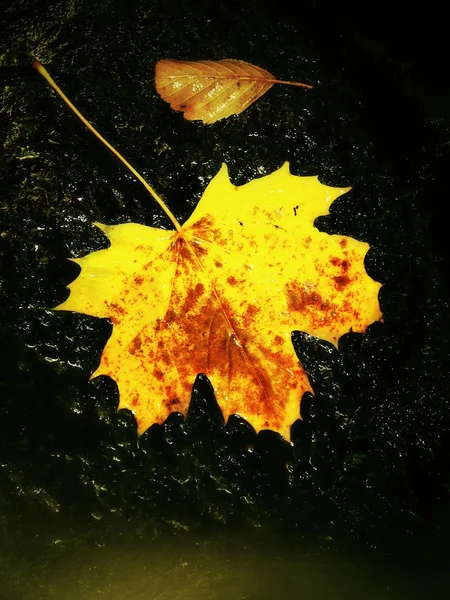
42, 561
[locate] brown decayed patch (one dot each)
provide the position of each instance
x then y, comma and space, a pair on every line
341, 282
135, 345
224, 348
251, 311
300, 299
158, 374
163, 355
232, 280
204, 223
343, 243
200, 250
116, 309
219, 239
224, 344
172, 402
338, 262
138, 280
193, 298
348, 307
320, 312
170, 316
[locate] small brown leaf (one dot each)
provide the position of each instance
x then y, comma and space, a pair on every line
209, 90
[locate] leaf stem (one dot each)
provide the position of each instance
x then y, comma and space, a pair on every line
37, 65
296, 83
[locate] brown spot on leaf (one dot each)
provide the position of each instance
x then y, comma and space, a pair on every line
192, 298
319, 311
200, 250
117, 309
204, 223
300, 299
232, 280
338, 262
158, 374
135, 345
341, 282
251, 311
220, 240
170, 316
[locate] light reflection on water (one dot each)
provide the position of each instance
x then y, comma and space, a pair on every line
41, 564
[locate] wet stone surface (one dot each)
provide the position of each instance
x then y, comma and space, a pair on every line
371, 454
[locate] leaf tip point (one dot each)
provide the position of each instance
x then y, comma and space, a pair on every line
223, 172
60, 307
100, 225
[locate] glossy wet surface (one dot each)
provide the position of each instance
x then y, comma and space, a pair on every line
45, 562
371, 456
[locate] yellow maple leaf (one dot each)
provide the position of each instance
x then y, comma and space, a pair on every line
221, 295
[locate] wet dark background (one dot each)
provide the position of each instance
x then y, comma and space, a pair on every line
370, 460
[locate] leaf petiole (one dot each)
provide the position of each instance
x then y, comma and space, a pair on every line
43, 71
